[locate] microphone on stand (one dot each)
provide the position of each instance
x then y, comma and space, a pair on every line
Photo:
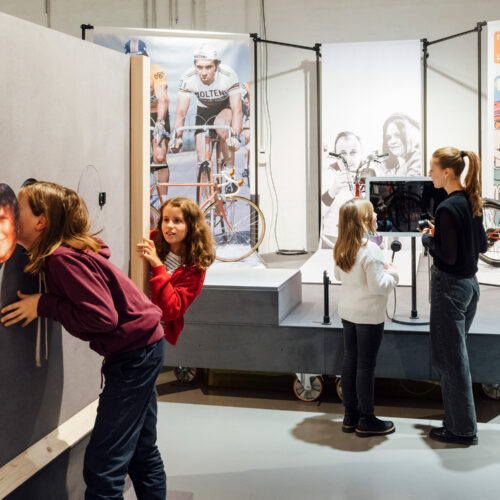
395, 247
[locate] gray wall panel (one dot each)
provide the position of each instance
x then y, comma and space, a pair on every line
64, 105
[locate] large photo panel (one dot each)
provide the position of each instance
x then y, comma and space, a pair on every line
491, 160
196, 80
371, 120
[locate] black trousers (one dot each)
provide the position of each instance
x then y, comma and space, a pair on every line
361, 345
124, 436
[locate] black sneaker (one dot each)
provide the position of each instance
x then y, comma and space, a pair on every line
444, 436
350, 421
370, 425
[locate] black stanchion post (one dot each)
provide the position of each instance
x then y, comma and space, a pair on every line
414, 312
326, 299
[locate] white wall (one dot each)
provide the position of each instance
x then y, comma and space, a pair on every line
452, 103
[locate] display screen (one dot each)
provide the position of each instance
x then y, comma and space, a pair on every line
401, 202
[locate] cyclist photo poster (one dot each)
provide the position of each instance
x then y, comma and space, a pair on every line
371, 111
199, 105
491, 160
372, 115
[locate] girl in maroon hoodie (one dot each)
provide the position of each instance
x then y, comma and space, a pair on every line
179, 252
97, 303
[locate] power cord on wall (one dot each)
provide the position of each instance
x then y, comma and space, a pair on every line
269, 172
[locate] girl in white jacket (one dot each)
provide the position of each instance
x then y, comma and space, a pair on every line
366, 283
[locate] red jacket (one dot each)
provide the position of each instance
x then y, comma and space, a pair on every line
174, 293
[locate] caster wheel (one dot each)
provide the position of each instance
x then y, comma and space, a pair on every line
338, 388
185, 374
308, 395
491, 390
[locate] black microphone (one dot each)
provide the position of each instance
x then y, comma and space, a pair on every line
395, 247
335, 155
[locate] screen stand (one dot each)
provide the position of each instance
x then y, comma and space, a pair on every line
414, 318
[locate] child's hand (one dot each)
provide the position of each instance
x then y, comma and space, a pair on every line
389, 265
147, 251
26, 309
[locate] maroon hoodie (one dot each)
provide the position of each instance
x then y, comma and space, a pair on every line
97, 302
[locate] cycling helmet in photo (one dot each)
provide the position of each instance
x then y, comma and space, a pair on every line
205, 52
136, 48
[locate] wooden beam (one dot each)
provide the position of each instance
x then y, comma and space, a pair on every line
139, 165
16, 472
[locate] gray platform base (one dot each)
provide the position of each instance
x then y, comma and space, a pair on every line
299, 343
246, 296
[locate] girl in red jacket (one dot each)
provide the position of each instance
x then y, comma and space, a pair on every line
179, 252
97, 303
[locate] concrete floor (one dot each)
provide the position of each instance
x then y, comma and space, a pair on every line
254, 440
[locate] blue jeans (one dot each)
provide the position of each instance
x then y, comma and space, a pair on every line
453, 306
361, 345
124, 436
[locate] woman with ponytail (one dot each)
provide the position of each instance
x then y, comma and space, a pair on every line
455, 242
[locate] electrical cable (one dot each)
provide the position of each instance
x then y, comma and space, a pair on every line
269, 172
264, 70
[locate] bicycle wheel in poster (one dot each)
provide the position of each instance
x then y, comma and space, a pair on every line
203, 192
237, 225
491, 223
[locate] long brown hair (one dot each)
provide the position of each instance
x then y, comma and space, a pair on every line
355, 219
455, 159
198, 245
67, 219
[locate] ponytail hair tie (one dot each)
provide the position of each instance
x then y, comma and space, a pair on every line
462, 154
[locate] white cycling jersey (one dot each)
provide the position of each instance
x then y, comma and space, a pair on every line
224, 85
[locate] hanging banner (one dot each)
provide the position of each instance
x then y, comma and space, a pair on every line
491, 160
199, 105
371, 117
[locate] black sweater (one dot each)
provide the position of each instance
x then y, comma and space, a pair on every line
458, 237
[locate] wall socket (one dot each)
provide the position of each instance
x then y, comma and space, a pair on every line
262, 160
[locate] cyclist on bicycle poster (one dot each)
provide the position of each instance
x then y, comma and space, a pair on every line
217, 89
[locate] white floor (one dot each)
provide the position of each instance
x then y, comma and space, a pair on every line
227, 453
488, 275
322, 260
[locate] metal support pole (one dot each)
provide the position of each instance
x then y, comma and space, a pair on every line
479, 84
255, 38
425, 45
318, 118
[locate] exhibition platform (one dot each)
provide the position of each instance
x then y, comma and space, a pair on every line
268, 320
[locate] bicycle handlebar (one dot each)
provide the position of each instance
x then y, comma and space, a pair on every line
228, 181
204, 128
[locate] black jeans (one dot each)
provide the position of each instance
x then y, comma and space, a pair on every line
453, 306
361, 345
124, 436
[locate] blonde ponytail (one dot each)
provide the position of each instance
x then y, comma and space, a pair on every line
472, 184
454, 158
